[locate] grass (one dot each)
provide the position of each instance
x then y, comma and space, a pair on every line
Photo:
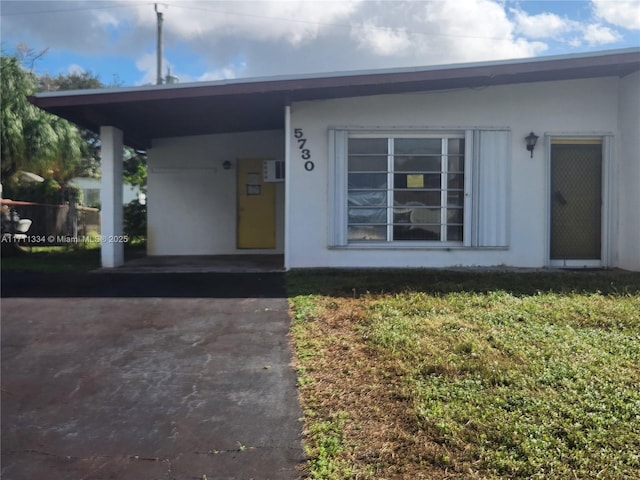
52, 259
70, 258
469, 375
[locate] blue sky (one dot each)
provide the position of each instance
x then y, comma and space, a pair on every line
210, 40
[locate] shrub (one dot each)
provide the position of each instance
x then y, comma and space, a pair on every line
135, 220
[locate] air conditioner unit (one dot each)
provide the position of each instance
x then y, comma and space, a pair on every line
273, 170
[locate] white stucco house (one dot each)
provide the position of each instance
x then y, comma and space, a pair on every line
413, 167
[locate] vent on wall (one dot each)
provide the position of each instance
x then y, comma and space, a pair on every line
273, 170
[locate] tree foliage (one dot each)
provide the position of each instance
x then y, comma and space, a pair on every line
32, 139
135, 162
89, 165
70, 81
35, 141
134, 169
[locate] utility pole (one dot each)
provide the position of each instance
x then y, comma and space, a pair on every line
160, 20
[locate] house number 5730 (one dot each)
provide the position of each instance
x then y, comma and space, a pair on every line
305, 153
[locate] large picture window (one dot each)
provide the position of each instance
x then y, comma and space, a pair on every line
401, 189
405, 188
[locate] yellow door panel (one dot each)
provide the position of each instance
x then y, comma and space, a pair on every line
256, 206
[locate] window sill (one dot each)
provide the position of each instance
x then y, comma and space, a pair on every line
414, 246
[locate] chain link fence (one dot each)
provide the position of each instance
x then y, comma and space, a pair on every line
52, 224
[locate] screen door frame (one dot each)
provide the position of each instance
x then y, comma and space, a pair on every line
606, 191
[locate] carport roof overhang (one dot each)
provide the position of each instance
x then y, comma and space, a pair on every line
151, 112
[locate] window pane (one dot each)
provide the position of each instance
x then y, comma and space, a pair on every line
419, 185
455, 180
454, 233
366, 232
367, 215
456, 146
368, 163
367, 180
455, 199
368, 145
422, 215
423, 146
401, 215
414, 181
432, 181
456, 164
417, 164
416, 215
454, 215
416, 198
368, 198
402, 232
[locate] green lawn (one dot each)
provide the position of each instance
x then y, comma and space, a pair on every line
433, 375
77, 258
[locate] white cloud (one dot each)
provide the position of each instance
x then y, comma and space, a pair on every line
624, 14
106, 18
542, 25
295, 21
596, 34
382, 41
147, 64
574, 33
574, 42
445, 31
276, 37
75, 69
224, 73
208, 40
476, 30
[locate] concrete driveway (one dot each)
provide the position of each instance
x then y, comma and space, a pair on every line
147, 377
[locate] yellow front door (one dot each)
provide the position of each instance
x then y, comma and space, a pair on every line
256, 206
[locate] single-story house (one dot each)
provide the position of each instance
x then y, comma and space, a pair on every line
412, 167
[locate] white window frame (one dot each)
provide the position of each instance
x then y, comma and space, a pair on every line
487, 151
390, 137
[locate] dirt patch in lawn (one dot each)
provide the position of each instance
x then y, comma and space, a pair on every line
341, 377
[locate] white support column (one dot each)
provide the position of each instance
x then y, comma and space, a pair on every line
287, 186
112, 251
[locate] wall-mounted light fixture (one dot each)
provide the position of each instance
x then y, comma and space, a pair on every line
531, 140
226, 164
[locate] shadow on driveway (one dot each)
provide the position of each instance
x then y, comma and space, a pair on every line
148, 377
127, 285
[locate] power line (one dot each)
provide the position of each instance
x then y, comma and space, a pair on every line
264, 17
339, 25
78, 9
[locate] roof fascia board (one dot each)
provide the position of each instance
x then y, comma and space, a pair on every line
561, 63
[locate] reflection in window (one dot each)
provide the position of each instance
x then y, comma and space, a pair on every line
405, 189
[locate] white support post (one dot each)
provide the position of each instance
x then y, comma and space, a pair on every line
112, 249
287, 186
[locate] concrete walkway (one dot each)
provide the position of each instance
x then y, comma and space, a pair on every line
143, 386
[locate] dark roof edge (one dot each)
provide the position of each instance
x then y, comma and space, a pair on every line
289, 83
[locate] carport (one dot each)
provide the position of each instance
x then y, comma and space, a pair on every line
138, 116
